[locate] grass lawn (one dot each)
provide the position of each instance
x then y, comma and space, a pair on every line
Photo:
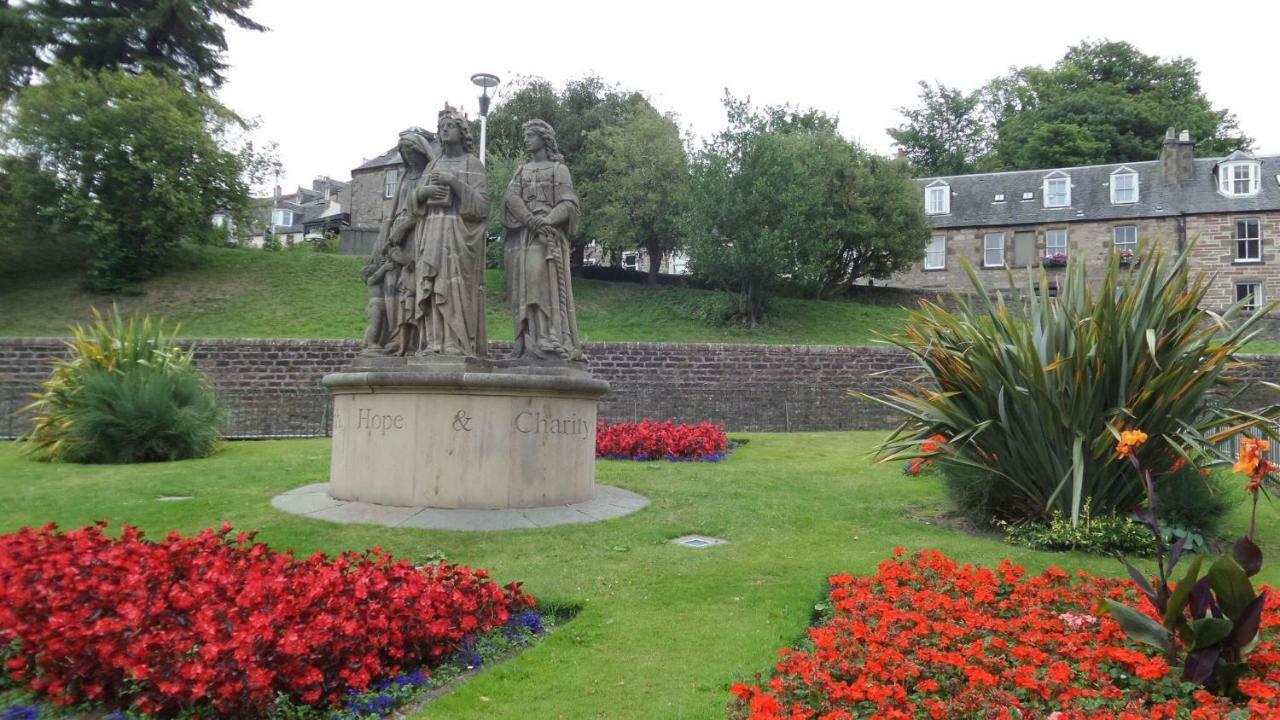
216, 292
663, 629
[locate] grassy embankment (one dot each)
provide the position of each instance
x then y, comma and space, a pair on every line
216, 292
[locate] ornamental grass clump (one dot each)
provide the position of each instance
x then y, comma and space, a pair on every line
125, 392
1027, 390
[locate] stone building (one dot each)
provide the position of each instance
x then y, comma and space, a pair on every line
305, 212
1013, 220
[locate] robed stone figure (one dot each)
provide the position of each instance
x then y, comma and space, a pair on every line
449, 264
390, 272
540, 213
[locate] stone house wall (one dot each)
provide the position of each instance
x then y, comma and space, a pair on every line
1215, 252
1094, 241
369, 203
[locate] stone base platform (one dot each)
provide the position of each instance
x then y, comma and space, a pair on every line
455, 433
314, 501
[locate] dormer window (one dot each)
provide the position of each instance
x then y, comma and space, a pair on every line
1239, 175
937, 198
281, 218
1237, 179
1124, 187
1057, 190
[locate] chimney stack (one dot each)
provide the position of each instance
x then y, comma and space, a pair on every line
1177, 156
277, 193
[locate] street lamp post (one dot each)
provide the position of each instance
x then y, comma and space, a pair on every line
485, 81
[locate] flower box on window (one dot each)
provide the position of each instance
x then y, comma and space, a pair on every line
1055, 260
1128, 257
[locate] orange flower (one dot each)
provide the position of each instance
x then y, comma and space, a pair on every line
1178, 463
1129, 439
934, 443
1252, 463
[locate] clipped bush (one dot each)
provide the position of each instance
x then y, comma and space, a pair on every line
1031, 396
125, 392
1094, 534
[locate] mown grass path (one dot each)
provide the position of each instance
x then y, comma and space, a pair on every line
663, 630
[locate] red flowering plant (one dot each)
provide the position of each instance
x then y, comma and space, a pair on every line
1206, 624
650, 440
221, 625
917, 465
926, 637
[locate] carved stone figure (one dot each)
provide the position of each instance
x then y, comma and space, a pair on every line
449, 262
398, 242
540, 213
378, 332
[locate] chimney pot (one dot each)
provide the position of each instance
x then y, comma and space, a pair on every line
1169, 134
1185, 136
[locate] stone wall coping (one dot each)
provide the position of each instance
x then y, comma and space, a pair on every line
759, 348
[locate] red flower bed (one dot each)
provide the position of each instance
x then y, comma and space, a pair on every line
221, 622
649, 440
927, 638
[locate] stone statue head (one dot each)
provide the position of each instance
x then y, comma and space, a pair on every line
548, 134
453, 118
416, 140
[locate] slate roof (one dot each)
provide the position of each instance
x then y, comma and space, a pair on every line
386, 159
973, 196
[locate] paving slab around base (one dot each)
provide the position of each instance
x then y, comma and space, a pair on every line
314, 501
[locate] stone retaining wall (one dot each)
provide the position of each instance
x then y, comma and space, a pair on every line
273, 386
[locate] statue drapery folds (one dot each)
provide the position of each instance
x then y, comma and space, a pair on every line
540, 213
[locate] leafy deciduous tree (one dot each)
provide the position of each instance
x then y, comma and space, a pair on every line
639, 182
780, 194
134, 164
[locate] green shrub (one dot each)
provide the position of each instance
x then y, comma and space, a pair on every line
144, 415
1192, 501
1033, 393
125, 392
1094, 534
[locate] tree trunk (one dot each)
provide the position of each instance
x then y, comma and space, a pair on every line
655, 261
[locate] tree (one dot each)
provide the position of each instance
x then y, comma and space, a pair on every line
135, 164
945, 134
580, 108
639, 183
184, 37
780, 194
1103, 102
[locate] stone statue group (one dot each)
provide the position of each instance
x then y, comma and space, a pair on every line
426, 275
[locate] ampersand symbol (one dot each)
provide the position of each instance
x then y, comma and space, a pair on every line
462, 421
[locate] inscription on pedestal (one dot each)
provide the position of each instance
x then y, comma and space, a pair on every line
367, 419
538, 424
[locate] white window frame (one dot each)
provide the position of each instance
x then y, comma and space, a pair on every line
999, 198
1243, 242
937, 199
634, 258
1125, 173
935, 258
281, 217
1053, 179
1049, 244
391, 183
1258, 298
987, 249
1228, 179
1125, 244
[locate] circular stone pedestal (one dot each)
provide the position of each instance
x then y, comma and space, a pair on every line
474, 437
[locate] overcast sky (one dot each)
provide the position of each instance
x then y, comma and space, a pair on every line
334, 82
